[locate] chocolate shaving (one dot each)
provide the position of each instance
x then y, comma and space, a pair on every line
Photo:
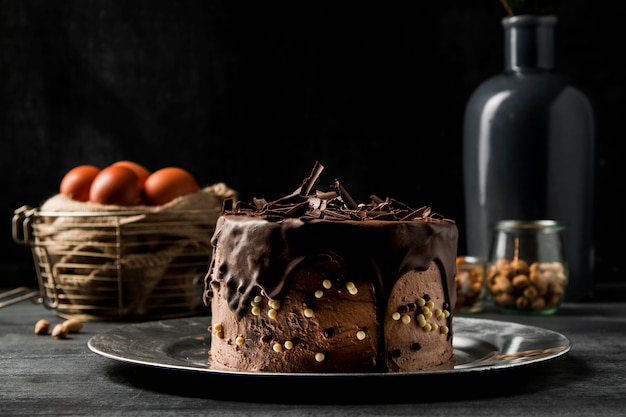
350, 203
309, 182
228, 204
376, 199
307, 204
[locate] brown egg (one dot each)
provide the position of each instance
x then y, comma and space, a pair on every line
77, 182
166, 184
116, 185
141, 171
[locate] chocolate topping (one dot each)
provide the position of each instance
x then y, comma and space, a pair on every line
337, 204
257, 245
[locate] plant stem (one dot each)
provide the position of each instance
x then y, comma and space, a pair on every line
507, 7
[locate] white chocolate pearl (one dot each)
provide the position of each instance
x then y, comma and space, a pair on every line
288, 344
430, 305
218, 327
274, 304
406, 319
360, 335
421, 302
428, 327
444, 329
258, 299
256, 311
327, 284
240, 340
320, 357
277, 347
396, 316
353, 290
272, 313
319, 294
308, 313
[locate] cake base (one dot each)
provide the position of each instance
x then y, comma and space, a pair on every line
329, 322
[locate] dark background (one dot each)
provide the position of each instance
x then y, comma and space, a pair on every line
252, 94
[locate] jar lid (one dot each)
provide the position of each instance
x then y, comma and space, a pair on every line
529, 225
470, 260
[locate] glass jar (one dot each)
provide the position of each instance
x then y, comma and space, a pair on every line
470, 279
526, 271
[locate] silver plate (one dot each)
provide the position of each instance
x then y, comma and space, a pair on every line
182, 344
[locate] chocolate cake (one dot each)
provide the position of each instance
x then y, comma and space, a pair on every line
314, 282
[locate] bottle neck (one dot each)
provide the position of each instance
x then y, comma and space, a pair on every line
529, 42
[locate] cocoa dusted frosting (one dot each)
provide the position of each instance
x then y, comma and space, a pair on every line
308, 222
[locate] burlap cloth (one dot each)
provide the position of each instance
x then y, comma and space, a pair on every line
127, 262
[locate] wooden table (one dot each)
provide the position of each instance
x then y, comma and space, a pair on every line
44, 376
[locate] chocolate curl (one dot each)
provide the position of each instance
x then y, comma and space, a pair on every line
395, 203
308, 184
228, 205
326, 195
376, 200
316, 207
420, 213
350, 203
259, 202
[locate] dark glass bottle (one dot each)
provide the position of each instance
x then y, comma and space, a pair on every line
528, 150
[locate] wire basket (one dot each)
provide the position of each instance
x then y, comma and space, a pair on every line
119, 265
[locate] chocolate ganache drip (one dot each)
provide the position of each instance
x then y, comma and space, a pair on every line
309, 222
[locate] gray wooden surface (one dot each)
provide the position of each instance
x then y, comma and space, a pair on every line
43, 376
